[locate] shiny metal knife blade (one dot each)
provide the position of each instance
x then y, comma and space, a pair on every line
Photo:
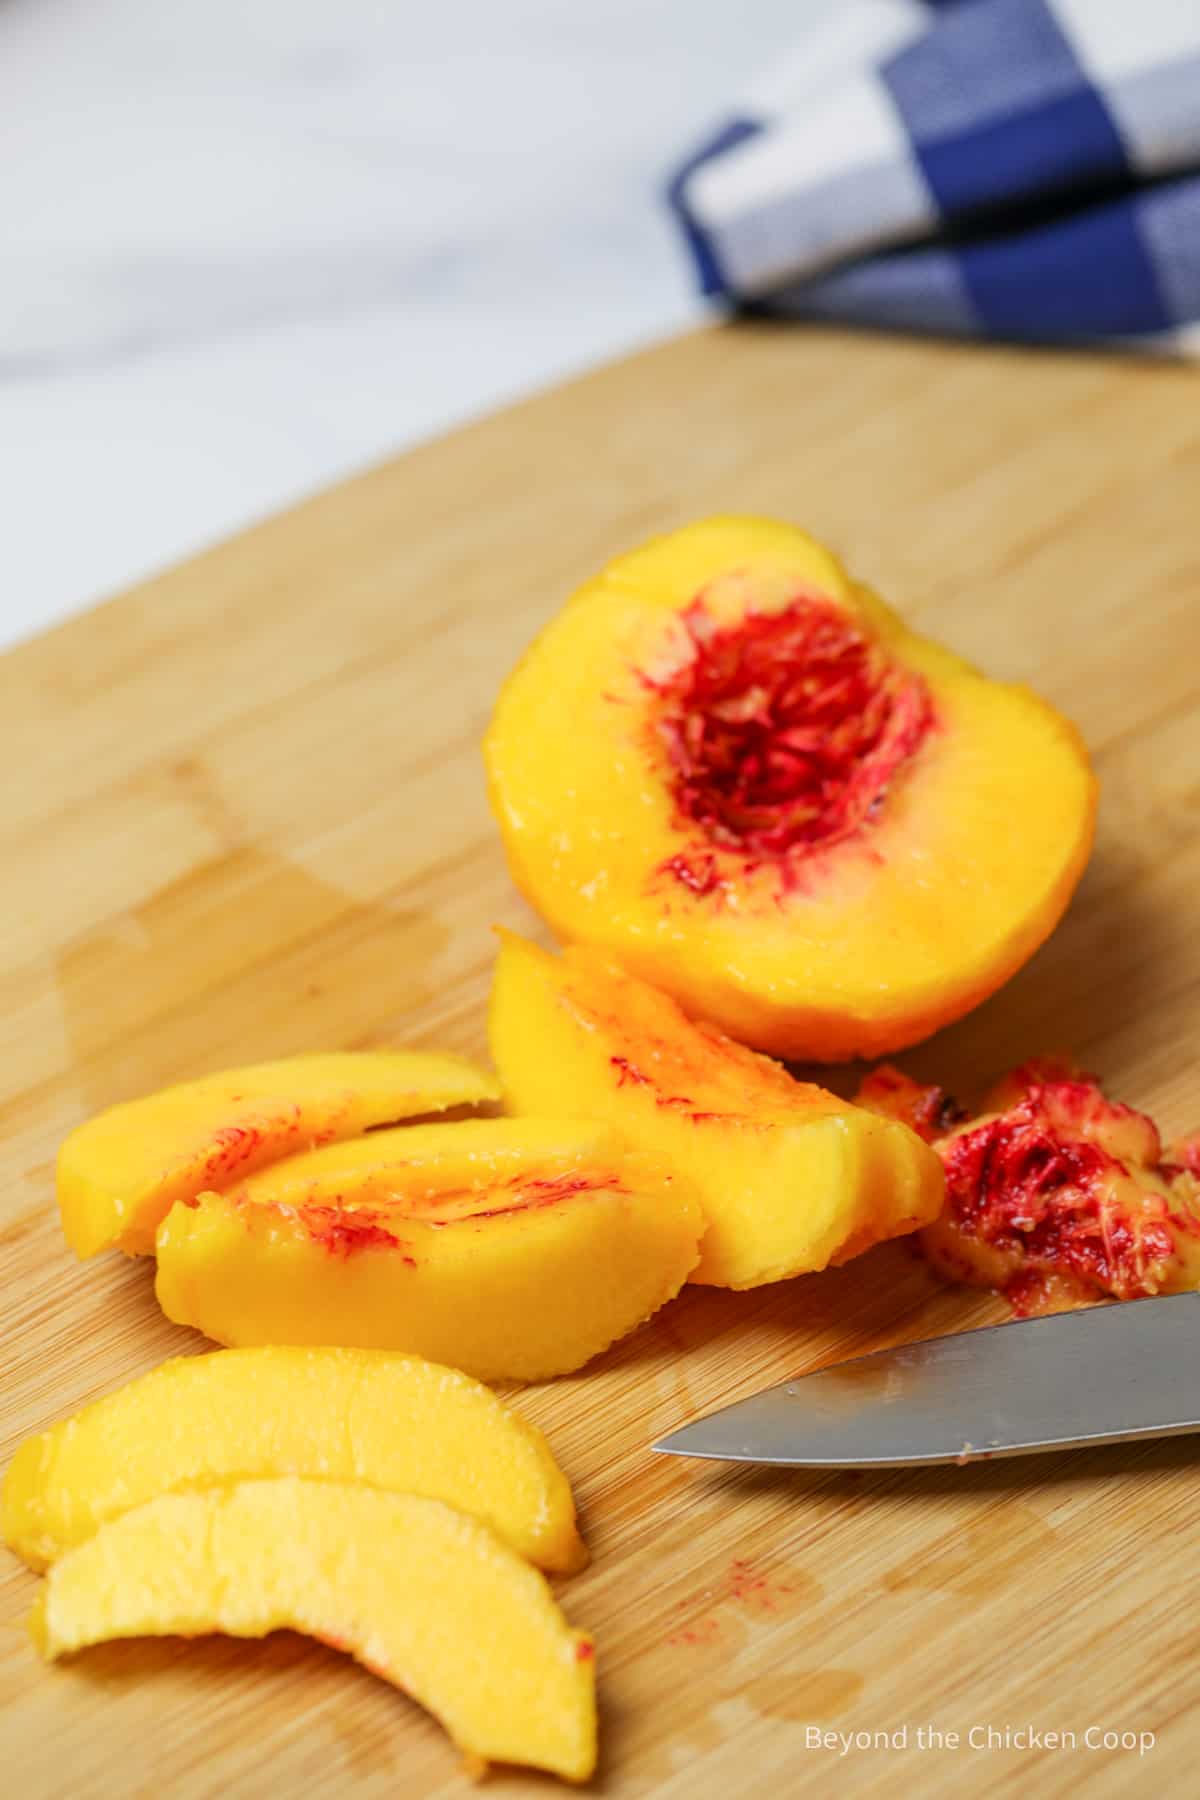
1093, 1377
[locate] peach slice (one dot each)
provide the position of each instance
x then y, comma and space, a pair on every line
735, 769
1055, 1195
507, 1247
391, 1421
120, 1173
420, 1594
790, 1177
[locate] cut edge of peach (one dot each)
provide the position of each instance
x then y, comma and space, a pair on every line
209, 1133
260, 1556
391, 1421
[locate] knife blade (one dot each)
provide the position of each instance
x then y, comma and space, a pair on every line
1055, 1383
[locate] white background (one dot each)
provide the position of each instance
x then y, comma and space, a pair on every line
248, 246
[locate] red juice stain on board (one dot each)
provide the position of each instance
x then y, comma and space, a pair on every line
699, 1631
750, 1589
759, 1590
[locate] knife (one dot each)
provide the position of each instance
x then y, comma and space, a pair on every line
1095, 1377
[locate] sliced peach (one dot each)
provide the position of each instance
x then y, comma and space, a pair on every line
392, 1421
1055, 1195
736, 770
420, 1594
790, 1177
120, 1173
506, 1247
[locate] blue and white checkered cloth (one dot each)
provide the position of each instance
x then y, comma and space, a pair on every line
1022, 169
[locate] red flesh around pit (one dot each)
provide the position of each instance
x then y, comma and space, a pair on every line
784, 733
1071, 1184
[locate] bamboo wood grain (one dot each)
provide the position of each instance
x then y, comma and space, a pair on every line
243, 815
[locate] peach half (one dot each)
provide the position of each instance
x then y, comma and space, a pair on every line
790, 1178
506, 1247
735, 769
391, 1421
1056, 1196
121, 1172
420, 1594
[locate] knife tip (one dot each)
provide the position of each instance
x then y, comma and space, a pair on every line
683, 1443
676, 1443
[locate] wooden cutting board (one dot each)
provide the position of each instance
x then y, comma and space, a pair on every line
244, 816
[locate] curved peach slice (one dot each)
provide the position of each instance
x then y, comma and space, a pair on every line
736, 770
391, 1421
507, 1247
120, 1173
790, 1178
1055, 1195
420, 1594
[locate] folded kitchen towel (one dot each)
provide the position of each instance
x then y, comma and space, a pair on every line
1023, 169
